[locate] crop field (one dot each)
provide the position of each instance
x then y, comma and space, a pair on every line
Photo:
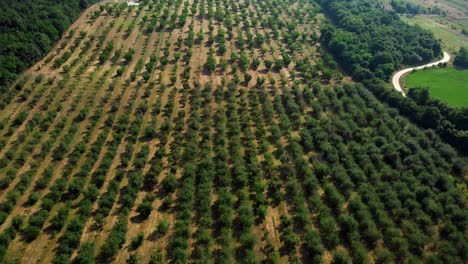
448, 84
216, 131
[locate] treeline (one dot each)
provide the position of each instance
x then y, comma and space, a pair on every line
26, 36
370, 42
403, 7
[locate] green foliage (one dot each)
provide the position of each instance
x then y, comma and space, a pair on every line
85, 254
268, 64
61, 259
169, 183
138, 240
404, 7
340, 257
370, 42
16, 222
430, 115
156, 257
255, 63
162, 227
133, 259
105, 54
244, 61
59, 220
115, 240
35, 224
129, 55
312, 243
461, 60
210, 64
32, 199
145, 208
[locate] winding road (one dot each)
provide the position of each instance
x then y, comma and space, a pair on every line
396, 78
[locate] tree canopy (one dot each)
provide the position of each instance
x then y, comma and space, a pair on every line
461, 60
371, 42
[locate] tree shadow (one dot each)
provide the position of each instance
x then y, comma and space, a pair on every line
137, 219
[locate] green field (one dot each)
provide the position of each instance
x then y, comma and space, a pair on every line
448, 84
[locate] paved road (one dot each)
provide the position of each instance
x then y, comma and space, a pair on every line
396, 78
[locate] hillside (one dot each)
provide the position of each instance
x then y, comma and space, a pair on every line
216, 131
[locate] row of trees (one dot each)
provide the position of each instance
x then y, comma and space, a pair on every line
178, 250
59, 190
371, 232
68, 240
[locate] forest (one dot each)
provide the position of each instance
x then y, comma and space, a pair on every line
218, 131
29, 29
370, 42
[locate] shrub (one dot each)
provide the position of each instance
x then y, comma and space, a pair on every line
31, 233
59, 220
32, 199
312, 243
133, 259
85, 254
169, 184
145, 208
16, 222
340, 257
156, 257
138, 240
210, 64
162, 227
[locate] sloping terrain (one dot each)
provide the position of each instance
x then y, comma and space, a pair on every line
216, 132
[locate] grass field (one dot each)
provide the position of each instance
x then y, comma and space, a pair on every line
448, 84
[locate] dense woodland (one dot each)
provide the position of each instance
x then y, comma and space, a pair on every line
217, 131
29, 29
370, 42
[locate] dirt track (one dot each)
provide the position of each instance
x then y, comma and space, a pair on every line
396, 78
